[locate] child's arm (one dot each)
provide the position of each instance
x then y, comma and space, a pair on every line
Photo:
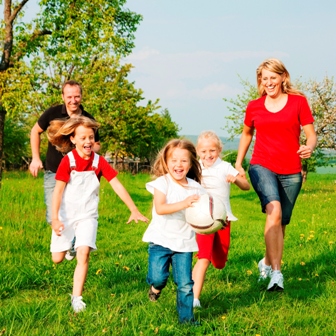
56, 224
126, 198
162, 208
240, 181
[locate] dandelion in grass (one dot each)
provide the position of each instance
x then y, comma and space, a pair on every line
316, 274
331, 242
126, 268
302, 236
0, 227
302, 263
120, 256
99, 271
300, 279
223, 317
248, 272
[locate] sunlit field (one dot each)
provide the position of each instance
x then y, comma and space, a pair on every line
35, 294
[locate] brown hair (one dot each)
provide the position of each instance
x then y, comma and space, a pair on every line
275, 65
160, 165
210, 135
71, 83
60, 131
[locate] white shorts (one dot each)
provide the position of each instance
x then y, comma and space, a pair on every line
85, 231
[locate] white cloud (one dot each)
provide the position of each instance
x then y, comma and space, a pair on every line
199, 75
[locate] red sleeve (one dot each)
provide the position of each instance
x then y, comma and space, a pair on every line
306, 116
106, 170
248, 121
63, 170
248, 117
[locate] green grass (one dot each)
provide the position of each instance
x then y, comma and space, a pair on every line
34, 293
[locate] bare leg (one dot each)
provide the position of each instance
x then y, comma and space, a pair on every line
198, 275
274, 235
83, 255
58, 257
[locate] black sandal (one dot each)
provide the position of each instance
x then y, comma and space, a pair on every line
153, 296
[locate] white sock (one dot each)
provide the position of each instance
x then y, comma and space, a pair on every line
197, 303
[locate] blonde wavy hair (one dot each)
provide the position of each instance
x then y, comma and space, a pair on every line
275, 65
160, 167
60, 131
210, 135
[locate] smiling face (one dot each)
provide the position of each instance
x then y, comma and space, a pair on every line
72, 98
208, 151
178, 164
84, 140
272, 83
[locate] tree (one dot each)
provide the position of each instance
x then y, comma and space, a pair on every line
322, 100
66, 36
160, 129
237, 108
15, 143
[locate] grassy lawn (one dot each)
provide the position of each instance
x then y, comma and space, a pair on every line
34, 293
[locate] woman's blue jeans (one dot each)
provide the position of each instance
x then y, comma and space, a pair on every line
271, 186
159, 260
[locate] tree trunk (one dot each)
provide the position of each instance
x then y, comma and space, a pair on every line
2, 135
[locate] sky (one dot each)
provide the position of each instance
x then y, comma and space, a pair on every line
191, 54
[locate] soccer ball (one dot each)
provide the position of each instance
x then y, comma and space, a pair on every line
206, 215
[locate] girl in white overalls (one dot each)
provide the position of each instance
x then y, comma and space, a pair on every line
76, 196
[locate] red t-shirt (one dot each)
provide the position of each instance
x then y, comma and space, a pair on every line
103, 169
278, 134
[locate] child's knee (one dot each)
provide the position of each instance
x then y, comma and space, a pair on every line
57, 257
185, 287
83, 253
157, 281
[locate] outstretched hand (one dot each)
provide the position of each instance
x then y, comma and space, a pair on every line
136, 215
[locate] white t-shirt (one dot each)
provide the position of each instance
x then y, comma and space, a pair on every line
172, 231
214, 181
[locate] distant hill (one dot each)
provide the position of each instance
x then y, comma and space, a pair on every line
228, 144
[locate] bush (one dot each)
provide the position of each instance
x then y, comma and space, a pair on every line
231, 156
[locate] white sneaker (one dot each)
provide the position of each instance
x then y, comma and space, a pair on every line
197, 303
72, 252
77, 303
264, 270
277, 282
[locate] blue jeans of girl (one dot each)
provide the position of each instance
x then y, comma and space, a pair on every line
159, 260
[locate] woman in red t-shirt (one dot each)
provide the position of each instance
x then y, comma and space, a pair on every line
275, 167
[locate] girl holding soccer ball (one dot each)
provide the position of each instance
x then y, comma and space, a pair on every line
171, 239
217, 176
